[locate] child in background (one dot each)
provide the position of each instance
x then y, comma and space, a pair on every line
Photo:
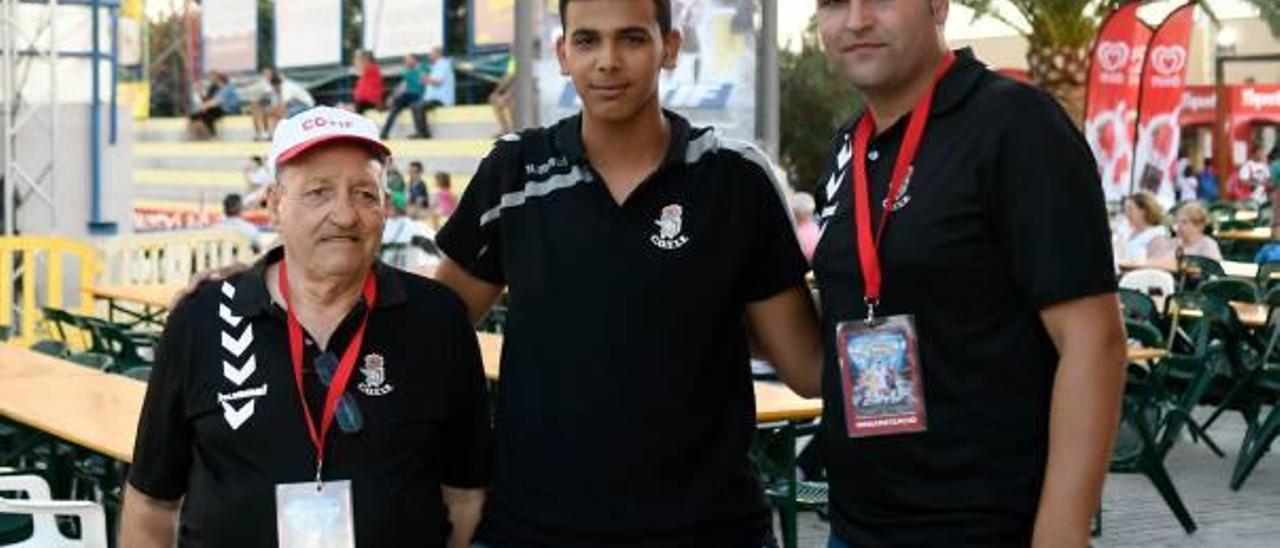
446, 201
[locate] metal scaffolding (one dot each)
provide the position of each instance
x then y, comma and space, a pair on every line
24, 48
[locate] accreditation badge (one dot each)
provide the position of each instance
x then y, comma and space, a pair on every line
880, 379
315, 515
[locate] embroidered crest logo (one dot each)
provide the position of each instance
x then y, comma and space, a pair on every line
375, 376
670, 223
902, 198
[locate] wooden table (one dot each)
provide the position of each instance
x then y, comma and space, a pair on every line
1234, 269
1237, 269
1250, 314
1142, 353
157, 296
99, 411
1259, 235
80, 405
154, 299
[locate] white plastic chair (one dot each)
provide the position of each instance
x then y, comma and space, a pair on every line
1154, 282
45, 533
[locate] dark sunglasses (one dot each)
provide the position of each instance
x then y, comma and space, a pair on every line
350, 421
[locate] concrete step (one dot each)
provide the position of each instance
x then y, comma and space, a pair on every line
466, 122
209, 186
449, 155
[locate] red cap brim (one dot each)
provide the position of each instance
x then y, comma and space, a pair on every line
304, 146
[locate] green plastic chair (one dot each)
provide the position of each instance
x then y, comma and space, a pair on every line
1265, 215
101, 362
142, 373
1235, 225
57, 349
1181, 379
1263, 279
1144, 333
1259, 436
774, 455
1198, 270
1149, 406
1231, 289
1139, 306
125, 347
1222, 212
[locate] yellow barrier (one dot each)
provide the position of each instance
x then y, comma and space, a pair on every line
171, 257
22, 259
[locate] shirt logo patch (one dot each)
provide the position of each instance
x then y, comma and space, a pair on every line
902, 199
375, 376
670, 222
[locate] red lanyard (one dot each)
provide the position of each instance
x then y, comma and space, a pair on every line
867, 253
345, 366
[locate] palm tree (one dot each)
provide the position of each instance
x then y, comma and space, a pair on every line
1060, 37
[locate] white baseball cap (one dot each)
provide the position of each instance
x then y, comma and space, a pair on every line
321, 125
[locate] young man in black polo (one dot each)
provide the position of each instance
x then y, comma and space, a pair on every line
289, 405
637, 251
977, 406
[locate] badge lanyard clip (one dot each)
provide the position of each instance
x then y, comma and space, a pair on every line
871, 303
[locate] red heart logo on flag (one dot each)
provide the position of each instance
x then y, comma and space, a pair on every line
1168, 60
1112, 55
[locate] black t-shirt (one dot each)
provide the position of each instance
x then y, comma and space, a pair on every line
626, 408
222, 425
1003, 216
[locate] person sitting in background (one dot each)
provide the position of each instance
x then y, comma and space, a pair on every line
439, 91
395, 179
260, 105
1255, 174
398, 235
288, 98
1208, 191
232, 209
412, 87
1274, 158
369, 86
258, 178
419, 196
1187, 184
1146, 226
807, 231
1189, 223
446, 200
220, 99
503, 99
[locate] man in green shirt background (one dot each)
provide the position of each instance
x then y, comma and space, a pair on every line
409, 95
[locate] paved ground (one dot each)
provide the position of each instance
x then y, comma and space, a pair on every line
1134, 514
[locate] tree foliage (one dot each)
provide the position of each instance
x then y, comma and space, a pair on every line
814, 103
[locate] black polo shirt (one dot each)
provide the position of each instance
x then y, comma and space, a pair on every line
222, 424
1003, 216
626, 406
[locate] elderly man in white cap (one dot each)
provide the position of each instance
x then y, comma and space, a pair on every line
255, 430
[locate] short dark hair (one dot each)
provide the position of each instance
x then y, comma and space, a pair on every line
232, 205
662, 7
416, 164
